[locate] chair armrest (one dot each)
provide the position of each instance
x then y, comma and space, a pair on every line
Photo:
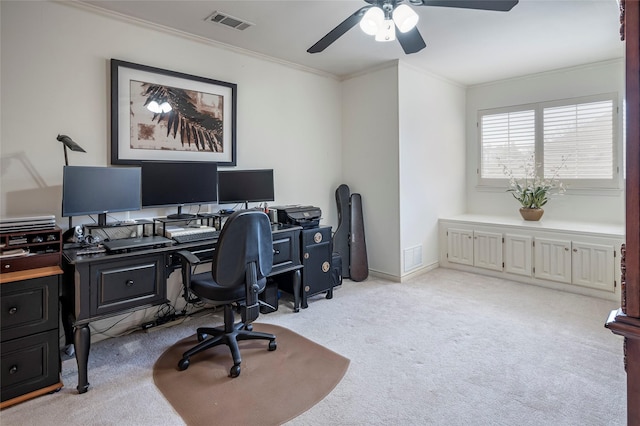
187, 261
188, 258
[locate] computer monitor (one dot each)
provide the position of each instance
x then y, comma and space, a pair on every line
90, 190
245, 186
166, 184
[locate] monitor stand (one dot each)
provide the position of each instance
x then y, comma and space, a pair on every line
181, 215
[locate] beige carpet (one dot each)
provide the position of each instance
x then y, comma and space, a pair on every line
273, 387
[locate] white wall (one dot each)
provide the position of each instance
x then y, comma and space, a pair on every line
606, 77
371, 163
432, 161
403, 150
55, 79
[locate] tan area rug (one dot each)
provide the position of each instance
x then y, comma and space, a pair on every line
273, 387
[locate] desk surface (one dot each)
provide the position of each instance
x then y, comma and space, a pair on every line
71, 256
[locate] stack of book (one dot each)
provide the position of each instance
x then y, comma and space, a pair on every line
27, 223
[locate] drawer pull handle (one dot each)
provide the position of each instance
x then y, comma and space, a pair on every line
276, 251
13, 369
6, 266
13, 310
129, 283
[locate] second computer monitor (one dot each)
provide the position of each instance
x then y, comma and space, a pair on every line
245, 186
166, 184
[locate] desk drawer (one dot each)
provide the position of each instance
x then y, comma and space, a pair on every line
28, 307
29, 363
286, 250
126, 284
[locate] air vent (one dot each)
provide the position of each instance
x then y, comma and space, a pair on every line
228, 21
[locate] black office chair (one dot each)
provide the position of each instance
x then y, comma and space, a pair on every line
242, 259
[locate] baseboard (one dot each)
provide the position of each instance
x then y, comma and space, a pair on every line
416, 272
384, 276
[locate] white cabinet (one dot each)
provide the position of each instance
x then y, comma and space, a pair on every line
460, 244
552, 259
517, 254
487, 250
592, 265
475, 248
580, 258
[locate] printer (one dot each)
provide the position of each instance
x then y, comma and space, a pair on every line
305, 216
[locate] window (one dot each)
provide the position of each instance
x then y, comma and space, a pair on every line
576, 135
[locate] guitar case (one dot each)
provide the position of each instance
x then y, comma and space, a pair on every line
341, 234
359, 265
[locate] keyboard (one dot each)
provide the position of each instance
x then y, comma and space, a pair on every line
195, 235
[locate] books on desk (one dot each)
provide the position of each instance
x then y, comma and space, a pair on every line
27, 223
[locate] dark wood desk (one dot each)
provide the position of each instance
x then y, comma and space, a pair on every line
104, 285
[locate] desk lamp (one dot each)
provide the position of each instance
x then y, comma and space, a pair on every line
69, 143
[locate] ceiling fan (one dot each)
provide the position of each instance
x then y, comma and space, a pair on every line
381, 17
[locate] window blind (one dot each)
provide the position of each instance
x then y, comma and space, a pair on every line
581, 137
573, 140
507, 139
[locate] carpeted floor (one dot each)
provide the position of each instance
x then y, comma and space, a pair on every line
269, 390
445, 348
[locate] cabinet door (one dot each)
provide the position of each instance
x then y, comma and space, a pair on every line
460, 246
316, 258
487, 250
518, 254
592, 265
552, 259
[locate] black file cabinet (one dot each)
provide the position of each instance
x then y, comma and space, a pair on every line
316, 260
30, 361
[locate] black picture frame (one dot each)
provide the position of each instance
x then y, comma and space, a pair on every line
201, 125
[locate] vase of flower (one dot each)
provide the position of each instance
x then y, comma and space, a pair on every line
531, 189
531, 213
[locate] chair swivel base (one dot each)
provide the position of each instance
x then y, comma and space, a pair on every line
210, 337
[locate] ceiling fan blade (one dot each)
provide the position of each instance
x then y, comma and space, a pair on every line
411, 41
497, 5
338, 31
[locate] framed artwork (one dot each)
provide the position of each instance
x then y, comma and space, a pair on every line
160, 115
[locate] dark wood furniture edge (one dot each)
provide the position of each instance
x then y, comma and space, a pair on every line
18, 399
28, 274
626, 320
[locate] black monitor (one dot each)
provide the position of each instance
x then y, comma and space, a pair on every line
245, 186
178, 184
90, 190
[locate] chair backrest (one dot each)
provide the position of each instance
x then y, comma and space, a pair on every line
245, 238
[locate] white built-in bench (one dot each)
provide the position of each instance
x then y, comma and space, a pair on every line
577, 257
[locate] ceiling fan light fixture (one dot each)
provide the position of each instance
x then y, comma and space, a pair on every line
405, 18
387, 31
372, 20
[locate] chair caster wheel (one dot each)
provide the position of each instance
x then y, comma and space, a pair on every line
273, 345
235, 371
202, 336
248, 327
183, 364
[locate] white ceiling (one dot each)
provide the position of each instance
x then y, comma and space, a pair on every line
465, 46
